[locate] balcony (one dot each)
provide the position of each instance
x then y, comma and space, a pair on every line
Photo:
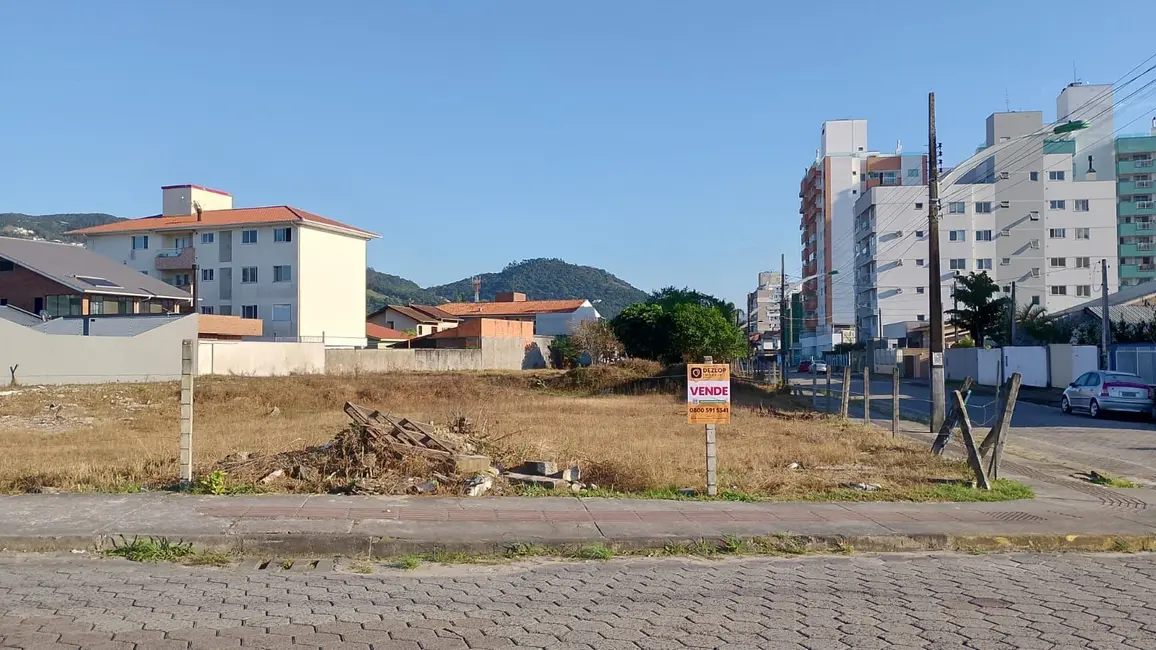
176, 259
1126, 188
1137, 270
1137, 250
1136, 166
1132, 144
1137, 228
1134, 208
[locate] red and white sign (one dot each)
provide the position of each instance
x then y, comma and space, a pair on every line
708, 393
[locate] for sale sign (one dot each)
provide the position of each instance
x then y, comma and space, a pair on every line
708, 393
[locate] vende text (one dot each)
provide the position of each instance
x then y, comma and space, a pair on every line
699, 391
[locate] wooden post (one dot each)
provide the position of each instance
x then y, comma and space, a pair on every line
895, 401
814, 388
969, 442
866, 395
845, 398
711, 454
827, 407
188, 350
995, 438
944, 436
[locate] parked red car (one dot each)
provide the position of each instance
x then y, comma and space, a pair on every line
805, 366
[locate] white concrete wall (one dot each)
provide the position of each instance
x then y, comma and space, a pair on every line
178, 200
331, 287
981, 364
259, 358
1030, 361
843, 186
1070, 361
494, 354
558, 324
42, 358
1092, 102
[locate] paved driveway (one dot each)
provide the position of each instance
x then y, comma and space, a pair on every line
900, 602
1124, 445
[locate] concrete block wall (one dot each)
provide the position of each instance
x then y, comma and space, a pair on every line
259, 358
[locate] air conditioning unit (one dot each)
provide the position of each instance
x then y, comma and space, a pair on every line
1004, 175
1035, 243
1005, 204
1034, 215
1035, 273
1006, 232
1005, 261
898, 290
898, 233
898, 262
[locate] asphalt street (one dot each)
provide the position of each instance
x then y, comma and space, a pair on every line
1123, 445
858, 602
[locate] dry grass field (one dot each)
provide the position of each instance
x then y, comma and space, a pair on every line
116, 437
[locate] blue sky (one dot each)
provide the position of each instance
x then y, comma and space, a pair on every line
662, 140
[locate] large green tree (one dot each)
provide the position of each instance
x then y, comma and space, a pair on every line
678, 325
697, 332
979, 307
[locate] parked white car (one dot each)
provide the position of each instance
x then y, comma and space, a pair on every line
820, 367
1104, 390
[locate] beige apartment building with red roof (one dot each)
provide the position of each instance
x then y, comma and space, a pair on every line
302, 274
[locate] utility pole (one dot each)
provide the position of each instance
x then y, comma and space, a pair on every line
1105, 321
938, 395
1012, 317
784, 319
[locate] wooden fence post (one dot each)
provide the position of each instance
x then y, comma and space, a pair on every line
845, 401
814, 388
969, 443
895, 401
866, 395
827, 405
944, 436
995, 438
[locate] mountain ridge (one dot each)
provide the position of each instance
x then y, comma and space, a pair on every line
539, 278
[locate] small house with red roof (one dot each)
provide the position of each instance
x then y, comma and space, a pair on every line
302, 274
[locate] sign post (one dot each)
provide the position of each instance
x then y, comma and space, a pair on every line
708, 402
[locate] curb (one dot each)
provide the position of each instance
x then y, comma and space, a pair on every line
354, 545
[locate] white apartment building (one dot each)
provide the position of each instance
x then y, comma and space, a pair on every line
303, 275
844, 169
1032, 214
764, 304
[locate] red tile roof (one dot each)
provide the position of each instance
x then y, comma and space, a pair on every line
523, 308
384, 333
218, 218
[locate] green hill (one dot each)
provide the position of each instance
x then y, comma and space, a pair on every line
50, 226
539, 279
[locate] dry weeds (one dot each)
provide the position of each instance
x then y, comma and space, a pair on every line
119, 436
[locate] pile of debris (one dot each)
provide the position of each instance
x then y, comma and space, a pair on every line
380, 453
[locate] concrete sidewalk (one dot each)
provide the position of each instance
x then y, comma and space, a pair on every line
382, 526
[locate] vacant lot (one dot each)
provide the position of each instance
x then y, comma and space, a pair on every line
125, 436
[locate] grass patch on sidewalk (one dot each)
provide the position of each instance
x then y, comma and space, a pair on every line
120, 437
162, 549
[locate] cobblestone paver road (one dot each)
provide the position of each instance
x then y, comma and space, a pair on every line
857, 602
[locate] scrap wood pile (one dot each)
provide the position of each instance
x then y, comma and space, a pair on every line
380, 453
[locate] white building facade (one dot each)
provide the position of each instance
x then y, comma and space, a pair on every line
1036, 214
301, 274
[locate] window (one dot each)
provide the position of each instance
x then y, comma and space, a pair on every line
1083, 262
248, 274
1083, 233
225, 310
1058, 205
983, 207
1084, 290
919, 234
1035, 300
181, 280
283, 234
1033, 176
282, 274
1080, 205
208, 311
983, 235
919, 262
1058, 262
1056, 176
1006, 288
913, 172
921, 317
248, 311
983, 264
918, 206
6, 266
958, 264
1005, 261
282, 313
62, 305
207, 275
920, 289
958, 235
1057, 233
248, 236
1059, 290
956, 207
181, 243
208, 238
140, 242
